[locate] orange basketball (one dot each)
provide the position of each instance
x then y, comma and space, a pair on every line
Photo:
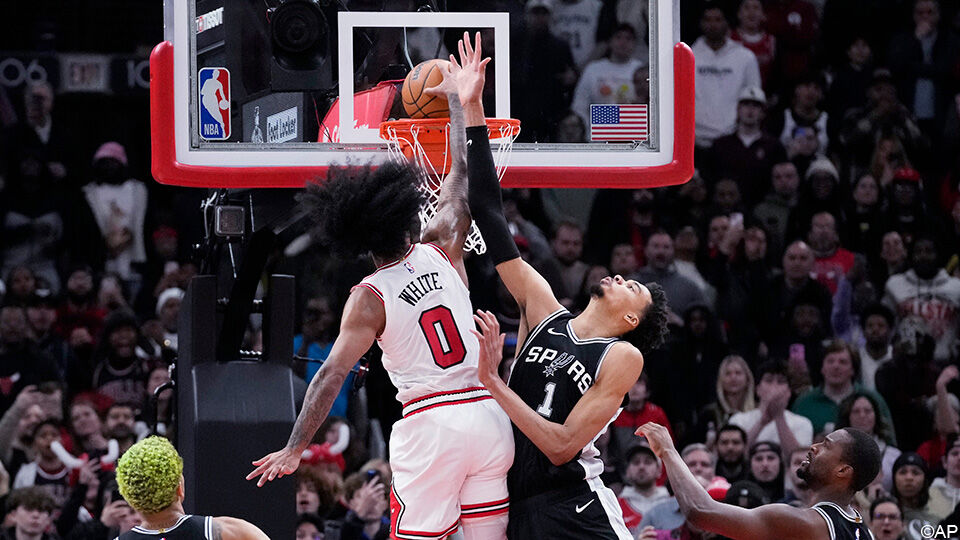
417, 104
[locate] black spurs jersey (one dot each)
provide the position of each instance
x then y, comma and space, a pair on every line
552, 372
842, 525
186, 528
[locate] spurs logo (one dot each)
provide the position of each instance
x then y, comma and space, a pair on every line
559, 363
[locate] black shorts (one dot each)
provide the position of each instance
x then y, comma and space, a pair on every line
570, 513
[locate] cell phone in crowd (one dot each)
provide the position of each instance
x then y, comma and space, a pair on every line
736, 219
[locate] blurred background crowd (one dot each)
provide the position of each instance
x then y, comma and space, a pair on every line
812, 267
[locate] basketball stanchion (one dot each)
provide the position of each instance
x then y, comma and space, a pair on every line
426, 142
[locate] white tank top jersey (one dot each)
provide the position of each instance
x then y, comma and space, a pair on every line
426, 342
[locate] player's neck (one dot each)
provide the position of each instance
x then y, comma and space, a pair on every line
589, 324
831, 495
164, 519
382, 261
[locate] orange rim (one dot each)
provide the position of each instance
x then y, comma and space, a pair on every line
434, 130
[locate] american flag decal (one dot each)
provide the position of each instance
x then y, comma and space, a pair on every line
618, 122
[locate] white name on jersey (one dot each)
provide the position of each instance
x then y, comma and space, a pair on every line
576, 370
414, 291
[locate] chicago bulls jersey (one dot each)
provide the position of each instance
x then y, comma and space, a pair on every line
426, 342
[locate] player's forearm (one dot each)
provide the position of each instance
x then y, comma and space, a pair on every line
695, 503
551, 438
486, 204
455, 185
321, 393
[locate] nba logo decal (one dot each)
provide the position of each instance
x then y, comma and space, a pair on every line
409, 268
214, 98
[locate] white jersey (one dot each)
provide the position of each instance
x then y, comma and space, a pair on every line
576, 23
426, 341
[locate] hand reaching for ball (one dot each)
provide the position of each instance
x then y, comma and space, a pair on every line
466, 77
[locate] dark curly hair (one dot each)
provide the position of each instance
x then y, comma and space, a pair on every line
365, 209
652, 330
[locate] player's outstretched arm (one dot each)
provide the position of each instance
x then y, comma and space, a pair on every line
229, 528
363, 319
527, 286
450, 226
559, 442
769, 521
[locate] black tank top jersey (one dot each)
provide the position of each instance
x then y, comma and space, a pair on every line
552, 372
187, 528
842, 525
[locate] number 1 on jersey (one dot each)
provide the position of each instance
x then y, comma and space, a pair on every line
545, 408
442, 336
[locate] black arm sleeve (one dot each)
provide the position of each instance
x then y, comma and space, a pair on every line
486, 205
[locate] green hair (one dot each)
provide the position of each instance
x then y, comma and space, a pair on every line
148, 475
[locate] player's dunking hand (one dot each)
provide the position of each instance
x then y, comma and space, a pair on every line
491, 345
466, 77
275, 465
657, 437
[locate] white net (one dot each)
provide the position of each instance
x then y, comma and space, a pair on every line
502, 135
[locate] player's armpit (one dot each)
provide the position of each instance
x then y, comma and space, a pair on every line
529, 289
779, 521
228, 528
619, 371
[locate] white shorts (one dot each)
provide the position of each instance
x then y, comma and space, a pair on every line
449, 454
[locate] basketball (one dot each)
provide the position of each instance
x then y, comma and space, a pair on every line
418, 104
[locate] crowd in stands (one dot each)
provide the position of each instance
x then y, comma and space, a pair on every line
812, 269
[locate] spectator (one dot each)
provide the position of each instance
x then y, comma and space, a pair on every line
750, 33
893, 254
120, 425
796, 25
34, 213
118, 205
732, 453
766, 469
861, 411
367, 503
116, 517
86, 425
168, 311
734, 394
636, 14
309, 527
119, 371
541, 56
748, 154
906, 211
42, 316
911, 484
16, 429
686, 247
775, 209
771, 421
666, 515
724, 69
886, 519
928, 292
864, 218
568, 248
38, 134
641, 85
885, 115
832, 261
775, 300
80, 319
608, 80
622, 260
21, 284
797, 492
21, 364
801, 342
576, 22
841, 367
682, 293
851, 80
46, 470
33, 510
641, 491
945, 491
636, 412
804, 148
695, 361
804, 111
820, 193
924, 62
877, 321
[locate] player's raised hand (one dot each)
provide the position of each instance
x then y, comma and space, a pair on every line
657, 437
449, 84
491, 345
275, 465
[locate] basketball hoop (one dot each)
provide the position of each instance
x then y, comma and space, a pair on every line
426, 143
